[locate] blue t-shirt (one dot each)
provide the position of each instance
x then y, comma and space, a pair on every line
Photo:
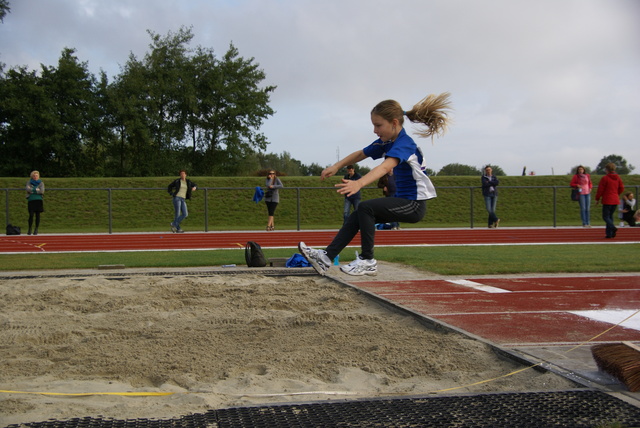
411, 180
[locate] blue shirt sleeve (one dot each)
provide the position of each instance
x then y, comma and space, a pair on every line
402, 148
376, 149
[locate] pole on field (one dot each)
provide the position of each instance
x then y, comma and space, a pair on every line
555, 192
298, 206
6, 192
110, 213
471, 210
206, 210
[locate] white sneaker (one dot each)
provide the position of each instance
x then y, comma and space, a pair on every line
361, 266
318, 258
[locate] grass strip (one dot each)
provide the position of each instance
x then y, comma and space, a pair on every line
458, 260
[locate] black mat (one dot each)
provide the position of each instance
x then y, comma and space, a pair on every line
575, 408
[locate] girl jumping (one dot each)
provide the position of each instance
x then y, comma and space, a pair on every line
413, 187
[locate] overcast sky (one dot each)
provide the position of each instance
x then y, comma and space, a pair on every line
546, 84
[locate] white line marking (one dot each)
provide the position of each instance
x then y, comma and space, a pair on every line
448, 293
478, 286
612, 316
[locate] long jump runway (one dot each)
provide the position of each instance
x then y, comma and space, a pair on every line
525, 311
551, 320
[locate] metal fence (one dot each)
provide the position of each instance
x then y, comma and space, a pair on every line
525, 205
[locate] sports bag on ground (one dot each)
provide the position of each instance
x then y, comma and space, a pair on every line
253, 255
13, 230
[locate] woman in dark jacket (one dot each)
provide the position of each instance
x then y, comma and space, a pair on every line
490, 192
180, 189
35, 204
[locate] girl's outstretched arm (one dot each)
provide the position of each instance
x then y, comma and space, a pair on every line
349, 187
354, 157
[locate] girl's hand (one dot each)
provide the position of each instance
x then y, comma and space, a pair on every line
349, 187
328, 172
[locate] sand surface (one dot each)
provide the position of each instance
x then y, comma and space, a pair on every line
218, 341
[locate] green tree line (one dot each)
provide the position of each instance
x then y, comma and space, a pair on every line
176, 107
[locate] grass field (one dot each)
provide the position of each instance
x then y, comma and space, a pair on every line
225, 203
466, 260
142, 204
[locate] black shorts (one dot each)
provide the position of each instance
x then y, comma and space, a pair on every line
271, 207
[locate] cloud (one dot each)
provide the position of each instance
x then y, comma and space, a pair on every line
546, 83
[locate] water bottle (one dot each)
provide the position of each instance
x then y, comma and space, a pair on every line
336, 260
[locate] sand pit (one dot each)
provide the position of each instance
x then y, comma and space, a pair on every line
219, 341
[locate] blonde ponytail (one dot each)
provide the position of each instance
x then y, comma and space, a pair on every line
432, 112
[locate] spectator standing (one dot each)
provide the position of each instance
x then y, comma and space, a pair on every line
490, 192
180, 189
35, 199
272, 197
353, 200
582, 181
610, 187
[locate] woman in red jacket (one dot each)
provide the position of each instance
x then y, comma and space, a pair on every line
609, 189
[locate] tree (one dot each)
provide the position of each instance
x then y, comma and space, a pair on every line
231, 107
126, 110
70, 89
26, 117
621, 165
177, 97
175, 108
312, 170
167, 83
281, 162
4, 9
46, 119
100, 134
458, 169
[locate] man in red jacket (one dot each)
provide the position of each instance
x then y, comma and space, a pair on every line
609, 189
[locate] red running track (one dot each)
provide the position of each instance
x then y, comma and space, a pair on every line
290, 239
525, 311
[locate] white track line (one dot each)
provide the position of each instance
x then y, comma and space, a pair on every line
612, 316
478, 286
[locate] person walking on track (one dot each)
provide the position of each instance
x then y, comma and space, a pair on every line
610, 187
